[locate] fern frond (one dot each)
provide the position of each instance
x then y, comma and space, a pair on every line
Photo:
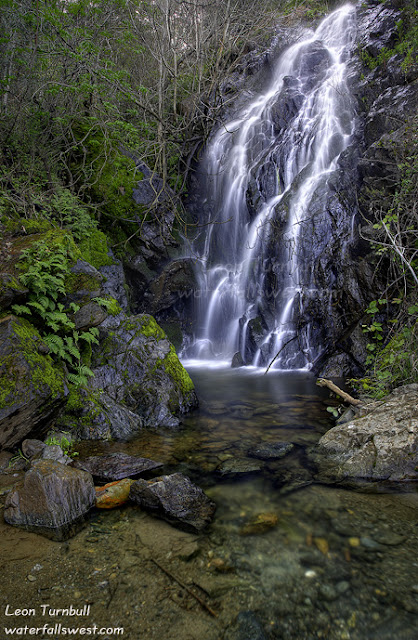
20, 309
89, 337
36, 305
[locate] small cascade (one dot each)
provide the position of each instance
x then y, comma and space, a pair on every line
262, 180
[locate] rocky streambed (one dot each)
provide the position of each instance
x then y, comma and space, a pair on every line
284, 557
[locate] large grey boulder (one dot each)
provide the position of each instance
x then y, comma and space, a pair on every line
137, 367
32, 388
175, 499
52, 499
381, 446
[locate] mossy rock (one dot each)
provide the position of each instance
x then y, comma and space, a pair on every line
32, 386
137, 366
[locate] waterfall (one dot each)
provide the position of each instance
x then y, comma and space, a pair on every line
258, 178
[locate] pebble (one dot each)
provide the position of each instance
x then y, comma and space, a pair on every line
310, 574
414, 588
328, 592
31, 578
342, 587
354, 542
370, 544
322, 545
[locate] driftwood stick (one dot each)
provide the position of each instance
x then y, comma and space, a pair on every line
323, 382
278, 353
186, 588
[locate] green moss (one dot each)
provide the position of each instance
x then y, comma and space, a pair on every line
81, 282
177, 372
8, 384
75, 400
26, 225
94, 249
150, 328
145, 325
43, 372
111, 305
114, 309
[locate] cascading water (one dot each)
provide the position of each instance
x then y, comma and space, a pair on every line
258, 178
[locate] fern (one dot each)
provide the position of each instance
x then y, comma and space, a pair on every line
38, 306
45, 271
21, 309
89, 336
80, 378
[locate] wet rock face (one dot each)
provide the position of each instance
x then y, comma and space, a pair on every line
51, 500
175, 499
381, 446
32, 389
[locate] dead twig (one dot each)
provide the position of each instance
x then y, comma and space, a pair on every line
186, 588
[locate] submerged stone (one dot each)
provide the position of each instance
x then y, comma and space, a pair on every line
116, 466
271, 450
175, 499
52, 499
237, 467
259, 524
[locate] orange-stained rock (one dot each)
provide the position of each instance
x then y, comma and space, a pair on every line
113, 494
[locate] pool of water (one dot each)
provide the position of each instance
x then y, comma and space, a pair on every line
285, 557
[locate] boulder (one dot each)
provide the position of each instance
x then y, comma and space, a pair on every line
31, 387
116, 466
89, 315
138, 368
52, 499
380, 447
175, 499
271, 450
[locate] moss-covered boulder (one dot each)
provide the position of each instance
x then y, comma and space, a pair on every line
31, 387
137, 366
